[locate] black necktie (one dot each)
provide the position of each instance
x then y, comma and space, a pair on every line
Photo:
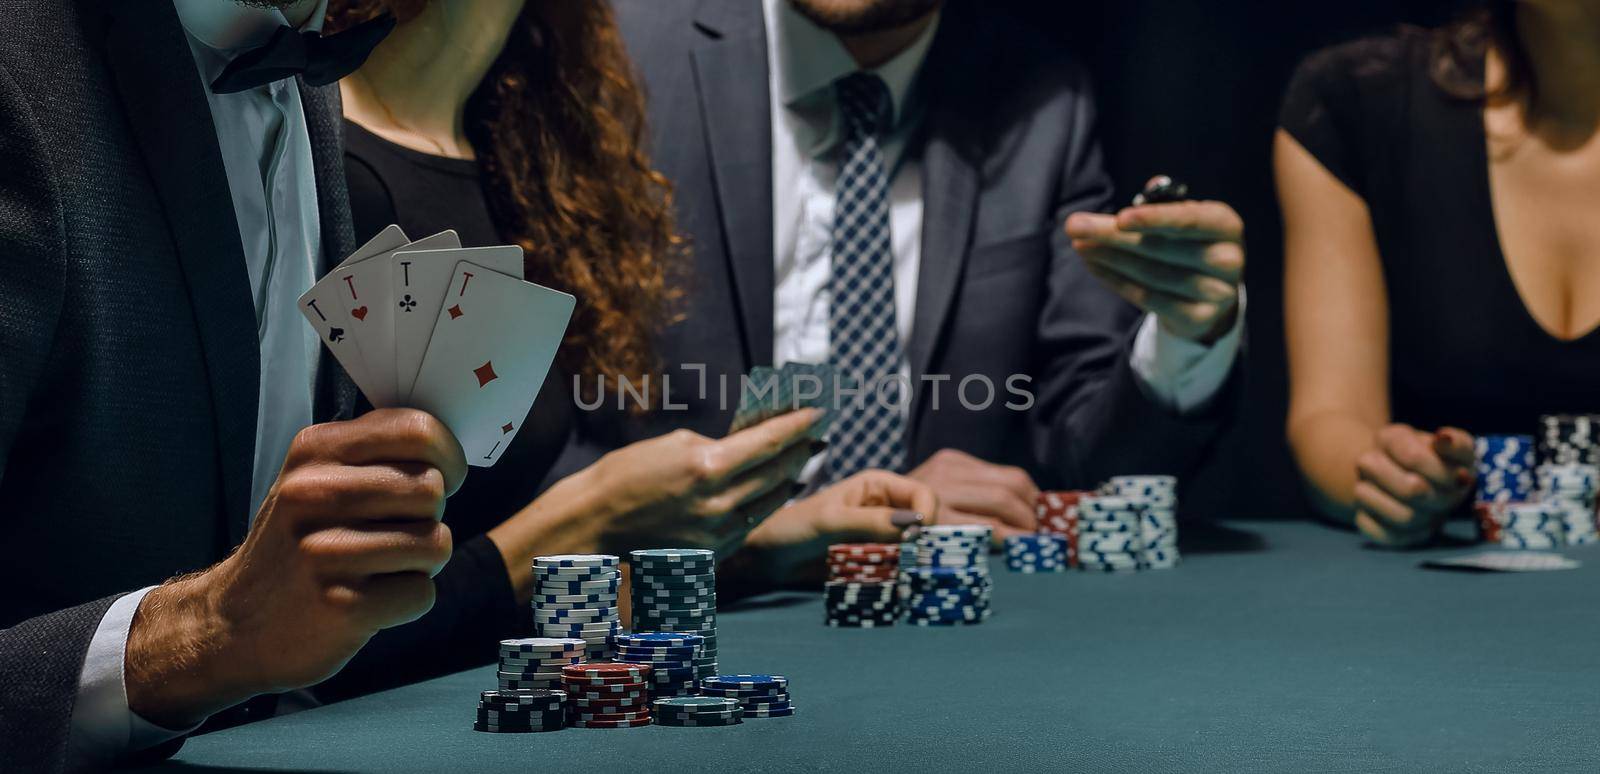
322, 60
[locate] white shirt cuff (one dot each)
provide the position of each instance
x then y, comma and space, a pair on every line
103, 727
1182, 375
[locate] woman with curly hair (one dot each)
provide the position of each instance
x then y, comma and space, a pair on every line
1442, 273
521, 122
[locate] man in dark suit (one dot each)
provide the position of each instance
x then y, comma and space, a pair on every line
886, 185
156, 384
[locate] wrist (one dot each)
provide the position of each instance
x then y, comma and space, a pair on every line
566, 519
178, 668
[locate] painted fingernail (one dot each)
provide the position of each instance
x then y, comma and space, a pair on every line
904, 518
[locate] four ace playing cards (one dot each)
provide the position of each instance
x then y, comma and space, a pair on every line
452, 331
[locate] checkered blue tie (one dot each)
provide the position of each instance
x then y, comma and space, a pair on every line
862, 341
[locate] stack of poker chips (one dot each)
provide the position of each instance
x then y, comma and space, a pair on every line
759, 696
862, 589
908, 559
575, 596
535, 663
950, 583
1505, 467
675, 590
1569, 489
1057, 514
607, 695
1157, 498
671, 657
698, 711
1036, 553
1110, 533
1568, 439
512, 712
1535, 526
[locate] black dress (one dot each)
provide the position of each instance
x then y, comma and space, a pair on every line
476, 606
1463, 349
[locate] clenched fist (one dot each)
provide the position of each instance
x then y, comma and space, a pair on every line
1409, 481
345, 544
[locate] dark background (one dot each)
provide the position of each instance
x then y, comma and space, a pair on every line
1191, 88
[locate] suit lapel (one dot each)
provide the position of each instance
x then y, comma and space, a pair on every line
171, 121
950, 184
337, 394
731, 80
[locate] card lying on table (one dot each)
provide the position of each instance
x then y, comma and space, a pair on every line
454, 332
1504, 561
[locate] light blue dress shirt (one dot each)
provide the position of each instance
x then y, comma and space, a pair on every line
266, 152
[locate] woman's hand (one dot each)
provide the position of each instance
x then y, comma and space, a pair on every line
873, 506
684, 490
679, 490
1410, 481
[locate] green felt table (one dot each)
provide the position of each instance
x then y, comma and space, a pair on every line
1274, 647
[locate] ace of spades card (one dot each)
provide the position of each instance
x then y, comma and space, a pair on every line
491, 348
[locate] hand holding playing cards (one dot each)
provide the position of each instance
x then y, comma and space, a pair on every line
871, 506
1410, 481
685, 490
972, 491
1181, 261
346, 544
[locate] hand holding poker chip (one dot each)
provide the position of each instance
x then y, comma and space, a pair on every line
1179, 259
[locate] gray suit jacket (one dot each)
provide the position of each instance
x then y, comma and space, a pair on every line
128, 350
1008, 149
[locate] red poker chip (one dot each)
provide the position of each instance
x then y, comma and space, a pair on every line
863, 566
863, 548
870, 559
1488, 525
597, 691
606, 670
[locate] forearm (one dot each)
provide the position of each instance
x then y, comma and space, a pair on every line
567, 519
1326, 445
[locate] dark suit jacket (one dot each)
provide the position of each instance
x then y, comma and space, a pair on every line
1007, 150
128, 350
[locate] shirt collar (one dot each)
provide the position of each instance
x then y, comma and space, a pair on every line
811, 58
226, 26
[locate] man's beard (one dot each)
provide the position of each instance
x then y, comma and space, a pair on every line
863, 17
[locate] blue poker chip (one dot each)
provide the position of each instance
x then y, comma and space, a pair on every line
747, 681
577, 573
608, 600
777, 713
577, 560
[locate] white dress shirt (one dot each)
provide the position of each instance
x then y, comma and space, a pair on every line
803, 62
266, 152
